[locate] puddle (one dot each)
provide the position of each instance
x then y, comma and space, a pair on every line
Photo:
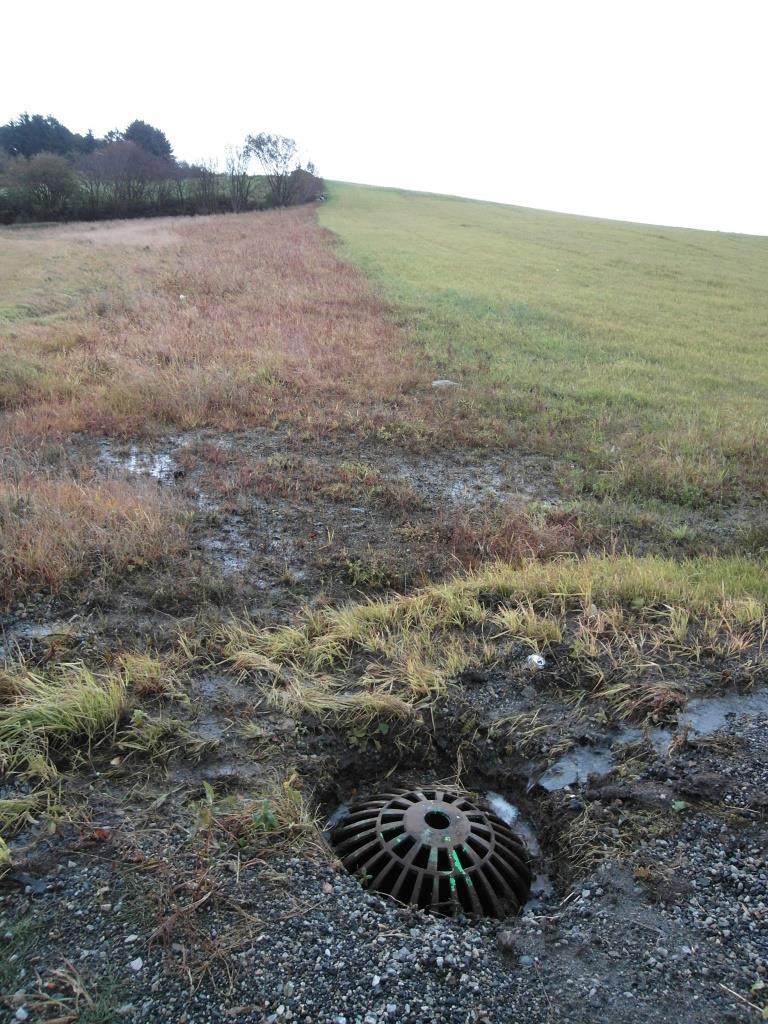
468, 489
702, 716
215, 687
576, 766
228, 557
542, 889
471, 486
229, 548
158, 465
210, 727
19, 631
444, 482
338, 815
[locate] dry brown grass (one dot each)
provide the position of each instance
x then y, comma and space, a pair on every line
509, 535
54, 531
213, 321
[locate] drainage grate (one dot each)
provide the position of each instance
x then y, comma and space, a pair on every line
436, 850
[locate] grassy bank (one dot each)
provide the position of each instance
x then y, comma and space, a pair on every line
639, 351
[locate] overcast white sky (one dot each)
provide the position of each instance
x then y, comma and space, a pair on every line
636, 109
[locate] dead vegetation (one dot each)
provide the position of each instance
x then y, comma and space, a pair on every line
233, 477
54, 532
277, 819
234, 320
154, 739
598, 833
509, 534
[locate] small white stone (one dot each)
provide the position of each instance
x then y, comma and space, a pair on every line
445, 384
136, 964
131, 938
376, 981
21, 1013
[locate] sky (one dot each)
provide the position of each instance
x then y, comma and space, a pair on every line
632, 109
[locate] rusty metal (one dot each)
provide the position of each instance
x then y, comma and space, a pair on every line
437, 850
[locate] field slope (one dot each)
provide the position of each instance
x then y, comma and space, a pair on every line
638, 350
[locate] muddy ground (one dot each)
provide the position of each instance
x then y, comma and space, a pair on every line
648, 845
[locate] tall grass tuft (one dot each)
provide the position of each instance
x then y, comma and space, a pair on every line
60, 709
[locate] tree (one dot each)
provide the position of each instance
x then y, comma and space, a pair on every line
92, 176
89, 143
239, 180
277, 156
46, 179
149, 138
32, 134
306, 186
206, 186
129, 171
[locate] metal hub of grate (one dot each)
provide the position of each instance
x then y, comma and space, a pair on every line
436, 850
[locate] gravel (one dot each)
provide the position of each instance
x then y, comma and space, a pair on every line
299, 941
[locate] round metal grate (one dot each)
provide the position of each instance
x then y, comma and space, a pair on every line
436, 850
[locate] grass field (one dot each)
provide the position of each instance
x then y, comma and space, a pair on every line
638, 351
253, 565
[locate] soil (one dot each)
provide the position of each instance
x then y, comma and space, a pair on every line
649, 846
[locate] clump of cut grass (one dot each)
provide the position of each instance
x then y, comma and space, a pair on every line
5, 857
246, 660
157, 739
524, 623
418, 664
329, 701
277, 820
643, 700
525, 730
54, 531
62, 709
595, 835
147, 675
18, 811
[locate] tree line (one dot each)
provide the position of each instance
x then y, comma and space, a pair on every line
49, 173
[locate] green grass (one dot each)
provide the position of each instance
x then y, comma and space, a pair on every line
387, 658
63, 707
638, 351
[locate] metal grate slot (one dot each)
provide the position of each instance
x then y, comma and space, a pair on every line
436, 850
